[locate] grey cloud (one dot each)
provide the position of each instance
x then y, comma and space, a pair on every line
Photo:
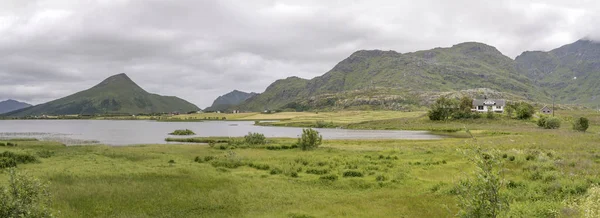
200, 49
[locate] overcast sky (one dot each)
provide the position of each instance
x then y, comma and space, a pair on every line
200, 49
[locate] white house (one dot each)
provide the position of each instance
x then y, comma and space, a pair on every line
485, 105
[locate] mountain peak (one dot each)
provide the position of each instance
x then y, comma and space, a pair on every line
12, 105
119, 81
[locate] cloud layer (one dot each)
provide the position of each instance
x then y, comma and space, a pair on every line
200, 49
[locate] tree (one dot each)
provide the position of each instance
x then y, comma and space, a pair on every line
524, 111
581, 124
310, 139
509, 109
24, 197
442, 109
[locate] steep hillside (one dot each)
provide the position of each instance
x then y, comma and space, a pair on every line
230, 99
464, 66
278, 94
571, 72
116, 94
12, 105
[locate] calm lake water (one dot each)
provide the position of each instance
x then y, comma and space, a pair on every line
129, 132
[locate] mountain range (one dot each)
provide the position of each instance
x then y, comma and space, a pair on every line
12, 105
230, 99
391, 80
117, 94
376, 79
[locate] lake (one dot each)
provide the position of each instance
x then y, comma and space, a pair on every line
129, 132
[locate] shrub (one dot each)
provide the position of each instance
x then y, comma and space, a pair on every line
171, 161
255, 139
45, 153
24, 197
381, 178
11, 144
581, 124
552, 123
481, 196
2, 144
259, 166
182, 132
275, 171
310, 139
542, 121
490, 115
352, 173
317, 171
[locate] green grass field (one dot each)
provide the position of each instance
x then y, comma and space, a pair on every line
545, 170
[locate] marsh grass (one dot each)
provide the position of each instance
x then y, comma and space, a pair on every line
413, 178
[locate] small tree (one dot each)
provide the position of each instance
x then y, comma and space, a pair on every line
581, 124
442, 109
310, 139
24, 197
481, 196
524, 111
509, 109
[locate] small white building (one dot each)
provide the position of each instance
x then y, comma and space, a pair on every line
546, 110
485, 105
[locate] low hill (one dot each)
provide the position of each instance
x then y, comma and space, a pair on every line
230, 99
12, 105
571, 72
117, 94
464, 66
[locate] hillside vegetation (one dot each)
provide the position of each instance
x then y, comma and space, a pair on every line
117, 94
374, 77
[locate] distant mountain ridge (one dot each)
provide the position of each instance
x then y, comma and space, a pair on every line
117, 94
570, 72
362, 76
232, 98
12, 105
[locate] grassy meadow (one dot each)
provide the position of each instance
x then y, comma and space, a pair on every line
544, 172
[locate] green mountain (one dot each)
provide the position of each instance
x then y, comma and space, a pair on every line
230, 99
12, 105
571, 72
387, 77
117, 94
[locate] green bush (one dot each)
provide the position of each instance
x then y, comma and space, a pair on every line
552, 123
524, 111
2, 144
24, 196
310, 139
255, 139
581, 124
45, 153
481, 196
541, 122
490, 115
182, 132
317, 171
352, 173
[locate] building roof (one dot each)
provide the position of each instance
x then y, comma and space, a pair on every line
545, 107
489, 102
